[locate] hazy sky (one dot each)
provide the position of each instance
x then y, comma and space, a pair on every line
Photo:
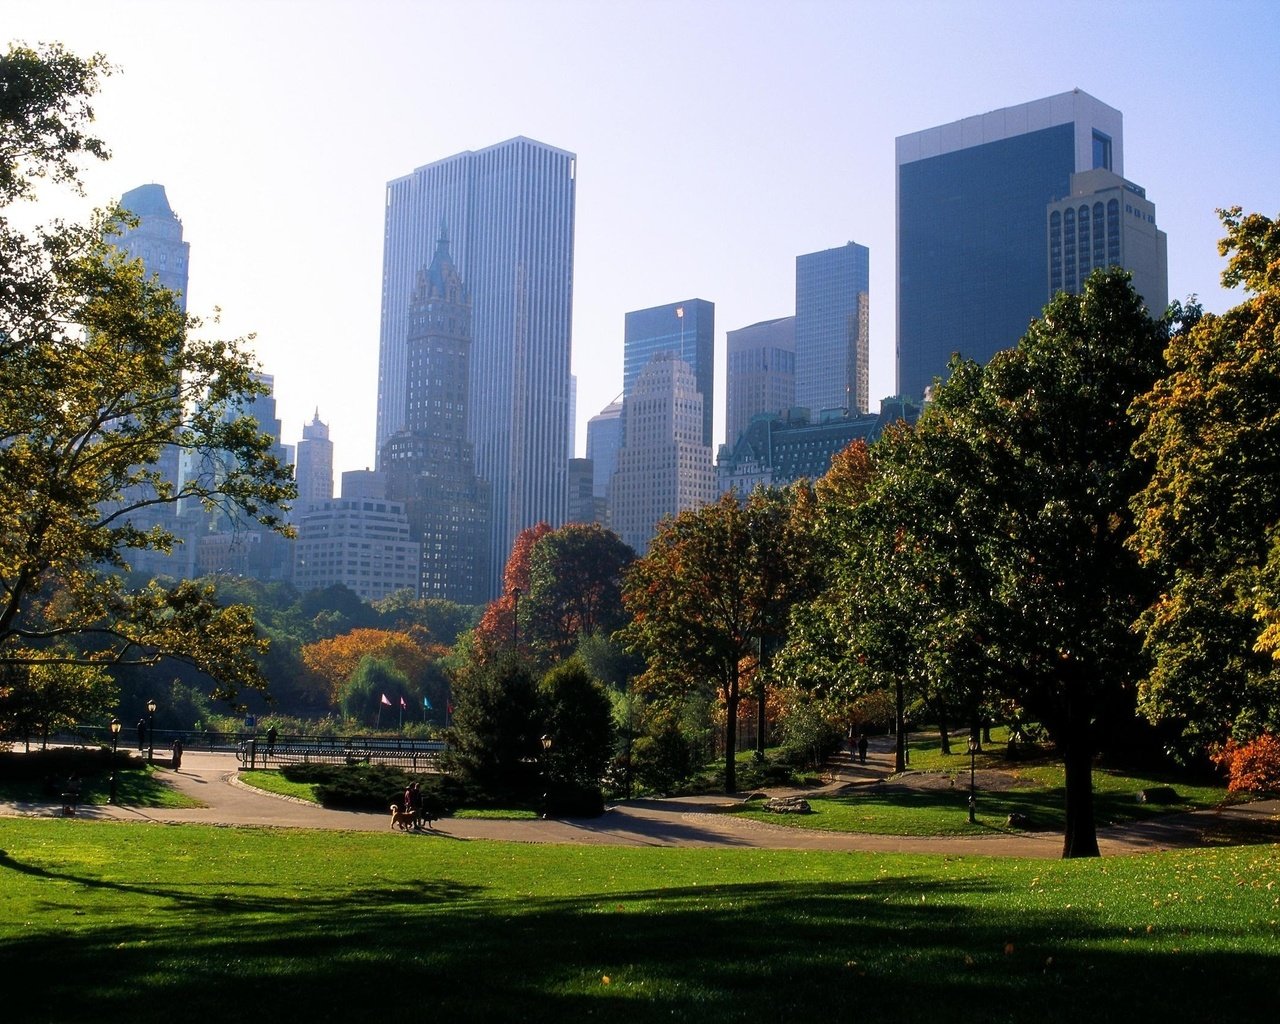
716, 141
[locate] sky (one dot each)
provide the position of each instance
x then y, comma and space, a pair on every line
716, 141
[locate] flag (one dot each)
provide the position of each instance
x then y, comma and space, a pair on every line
680, 312
426, 704
385, 701
402, 703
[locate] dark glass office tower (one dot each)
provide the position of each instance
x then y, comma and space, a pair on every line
686, 330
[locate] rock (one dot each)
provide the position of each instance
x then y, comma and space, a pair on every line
788, 805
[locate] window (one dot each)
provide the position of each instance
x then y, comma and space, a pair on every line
1101, 150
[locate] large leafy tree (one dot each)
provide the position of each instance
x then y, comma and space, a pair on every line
337, 658
575, 587
1208, 521
710, 587
1047, 476
500, 627
99, 373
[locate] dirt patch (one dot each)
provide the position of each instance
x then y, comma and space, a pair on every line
989, 780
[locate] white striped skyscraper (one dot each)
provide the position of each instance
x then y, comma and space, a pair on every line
509, 214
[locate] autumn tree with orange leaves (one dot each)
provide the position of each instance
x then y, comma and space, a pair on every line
337, 658
499, 630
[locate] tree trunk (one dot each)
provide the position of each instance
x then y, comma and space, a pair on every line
761, 721
1081, 837
731, 743
899, 724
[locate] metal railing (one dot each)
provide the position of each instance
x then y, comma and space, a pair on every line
416, 755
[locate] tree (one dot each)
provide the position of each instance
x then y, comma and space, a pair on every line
337, 658
131, 378
495, 740
1047, 474
709, 588
575, 587
1206, 521
360, 697
499, 626
577, 717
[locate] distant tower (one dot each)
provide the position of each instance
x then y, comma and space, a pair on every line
761, 375
1107, 222
972, 198
510, 211
604, 438
314, 471
430, 465
157, 242
686, 330
664, 467
832, 329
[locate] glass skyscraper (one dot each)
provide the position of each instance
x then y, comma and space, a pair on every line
686, 330
509, 214
972, 242
832, 323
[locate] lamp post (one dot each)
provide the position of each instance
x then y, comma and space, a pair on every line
973, 799
115, 740
515, 622
546, 775
151, 731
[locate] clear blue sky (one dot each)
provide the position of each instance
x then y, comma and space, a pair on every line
716, 141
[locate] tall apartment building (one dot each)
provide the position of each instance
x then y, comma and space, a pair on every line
663, 467
760, 375
157, 241
430, 464
509, 211
314, 469
1107, 222
686, 330
832, 328
973, 201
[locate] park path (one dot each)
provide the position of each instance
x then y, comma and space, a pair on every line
678, 821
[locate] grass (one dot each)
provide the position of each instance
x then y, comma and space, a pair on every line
137, 785
125, 921
275, 782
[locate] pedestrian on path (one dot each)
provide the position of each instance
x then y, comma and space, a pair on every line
142, 735
177, 753
862, 748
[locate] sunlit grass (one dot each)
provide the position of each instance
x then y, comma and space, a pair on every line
224, 922
275, 782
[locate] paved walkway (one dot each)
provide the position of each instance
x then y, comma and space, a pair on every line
681, 821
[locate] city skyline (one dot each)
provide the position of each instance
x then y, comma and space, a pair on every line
295, 160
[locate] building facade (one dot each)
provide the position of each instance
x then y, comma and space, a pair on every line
832, 328
686, 330
778, 449
509, 210
1107, 222
314, 469
360, 543
604, 438
430, 465
760, 375
663, 466
972, 226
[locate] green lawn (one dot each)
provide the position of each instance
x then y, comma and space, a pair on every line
136, 786
109, 921
275, 782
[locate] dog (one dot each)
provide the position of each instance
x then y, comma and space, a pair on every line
403, 820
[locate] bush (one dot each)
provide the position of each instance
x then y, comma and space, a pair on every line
57, 764
662, 762
574, 800
1252, 767
375, 787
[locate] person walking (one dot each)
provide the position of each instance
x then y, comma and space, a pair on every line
862, 748
142, 735
177, 753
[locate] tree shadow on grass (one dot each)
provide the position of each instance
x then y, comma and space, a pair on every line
900, 948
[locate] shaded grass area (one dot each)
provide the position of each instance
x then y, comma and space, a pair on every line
40, 777
224, 922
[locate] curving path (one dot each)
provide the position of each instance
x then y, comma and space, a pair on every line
682, 821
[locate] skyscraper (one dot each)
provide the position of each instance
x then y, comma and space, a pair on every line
156, 240
832, 329
972, 238
686, 330
509, 212
430, 465
604, 438
314, 471
663, 467
761, 373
